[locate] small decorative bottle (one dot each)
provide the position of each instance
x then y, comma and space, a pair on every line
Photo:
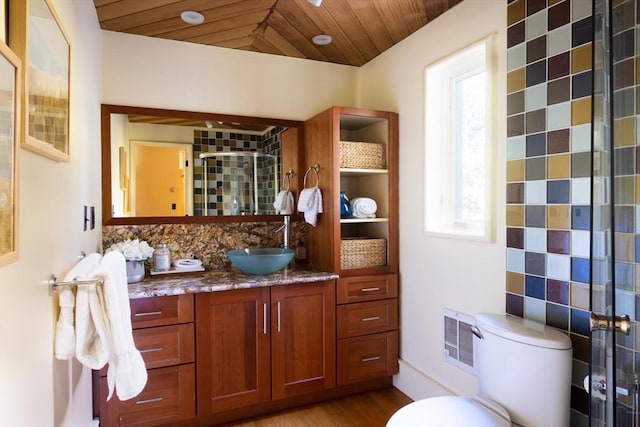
161, 258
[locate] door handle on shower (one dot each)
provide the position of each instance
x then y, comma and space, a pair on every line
599, 322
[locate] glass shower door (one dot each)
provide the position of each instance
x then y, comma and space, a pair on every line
615, 221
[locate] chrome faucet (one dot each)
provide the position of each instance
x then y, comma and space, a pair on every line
285, 231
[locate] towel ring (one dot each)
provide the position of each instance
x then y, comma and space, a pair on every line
316, 169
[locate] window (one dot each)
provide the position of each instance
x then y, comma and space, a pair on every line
459, 144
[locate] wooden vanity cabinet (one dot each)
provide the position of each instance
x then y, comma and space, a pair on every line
163, 331
367, 291
262, 344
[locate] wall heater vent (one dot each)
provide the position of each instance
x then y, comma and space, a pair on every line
458, 340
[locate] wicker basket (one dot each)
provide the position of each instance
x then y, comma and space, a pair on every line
362, 252
362, 155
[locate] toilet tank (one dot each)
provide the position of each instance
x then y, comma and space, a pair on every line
525, 367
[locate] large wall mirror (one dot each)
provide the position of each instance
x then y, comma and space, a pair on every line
168, 166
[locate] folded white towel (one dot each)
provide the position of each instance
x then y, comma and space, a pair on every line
310, 202
187, 263
364, 207
65, 341
127, 372
284, 203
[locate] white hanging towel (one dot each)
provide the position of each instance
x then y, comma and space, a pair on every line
93, 347
65, 341
127, 372
310, 203
284, 203
364, 207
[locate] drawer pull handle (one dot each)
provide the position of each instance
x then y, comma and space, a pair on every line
370, 289
151, 400
148, 313
371, 359
370, 319
151, 350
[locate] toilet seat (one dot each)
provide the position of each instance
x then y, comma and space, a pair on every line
449, 411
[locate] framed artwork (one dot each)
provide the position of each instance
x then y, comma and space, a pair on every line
10, 95
38, 38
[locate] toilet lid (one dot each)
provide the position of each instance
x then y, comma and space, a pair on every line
447, 411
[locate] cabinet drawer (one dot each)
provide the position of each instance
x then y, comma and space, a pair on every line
367, 357
169, 396
166, 345
159, 311
367, 317
367, 288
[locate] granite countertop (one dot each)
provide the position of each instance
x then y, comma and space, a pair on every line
221, 280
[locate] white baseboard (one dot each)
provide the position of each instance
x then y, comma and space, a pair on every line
416, 384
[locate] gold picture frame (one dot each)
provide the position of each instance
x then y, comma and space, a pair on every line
10, 98
37, 36
3, 21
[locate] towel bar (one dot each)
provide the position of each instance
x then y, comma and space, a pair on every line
54, 284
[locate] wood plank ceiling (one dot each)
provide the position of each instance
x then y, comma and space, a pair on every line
361, 29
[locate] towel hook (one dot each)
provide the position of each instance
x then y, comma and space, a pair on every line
316, 169
286, 180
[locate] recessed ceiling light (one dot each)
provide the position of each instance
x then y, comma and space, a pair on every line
316, 3
192, 17
322, 39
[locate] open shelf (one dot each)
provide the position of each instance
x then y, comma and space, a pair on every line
362, 220
362, 172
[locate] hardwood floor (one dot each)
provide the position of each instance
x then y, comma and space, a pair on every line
370, 409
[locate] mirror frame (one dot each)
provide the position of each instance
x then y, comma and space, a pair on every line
105, 123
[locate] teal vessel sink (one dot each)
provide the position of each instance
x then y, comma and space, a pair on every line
260, 261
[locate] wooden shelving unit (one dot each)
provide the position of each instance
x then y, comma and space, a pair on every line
367, 295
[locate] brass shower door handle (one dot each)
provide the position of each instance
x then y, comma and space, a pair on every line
599, 322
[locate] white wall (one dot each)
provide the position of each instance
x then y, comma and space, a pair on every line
34, 389
148, 72
436, 272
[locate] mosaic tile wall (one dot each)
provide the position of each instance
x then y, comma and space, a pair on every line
208, 242
230, 179
271, 145
549, 53
49, 120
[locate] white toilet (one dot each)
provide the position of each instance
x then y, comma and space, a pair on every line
524, 377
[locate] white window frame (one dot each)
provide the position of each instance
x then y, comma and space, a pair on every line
441, 184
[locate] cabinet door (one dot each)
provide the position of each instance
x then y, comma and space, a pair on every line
232, 352
303, 338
